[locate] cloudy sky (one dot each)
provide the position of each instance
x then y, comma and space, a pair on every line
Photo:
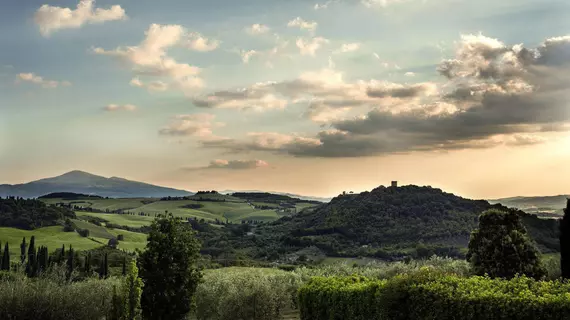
294, 96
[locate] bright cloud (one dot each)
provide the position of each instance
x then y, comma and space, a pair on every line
302, 24
257, 28
150, 58
50, 19
154, 86
348, 47
310, 47
117, 107
35, 79
197, 42
197, 125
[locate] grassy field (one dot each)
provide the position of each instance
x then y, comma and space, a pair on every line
135, 221
52, 237
232, 209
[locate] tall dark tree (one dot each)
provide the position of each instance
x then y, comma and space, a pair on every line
87, 267
501, 247
62, 254
23, 247
6, 258
168, 269
124, 266
104, 267
32, 265
70, 262
565, 242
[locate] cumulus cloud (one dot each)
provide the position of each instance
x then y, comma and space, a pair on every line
50, 19
410, 74
197, 125
298, 22
117, 107
154, 86
310, 47
44, 83
254, 98
257, 28
324, 5
491, 94
195, 41
150, 58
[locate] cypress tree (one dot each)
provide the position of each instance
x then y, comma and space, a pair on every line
6, 258
31, 267
62, 253
106, 264
70, 262
565, 242
124, 266
23, 251
87, 267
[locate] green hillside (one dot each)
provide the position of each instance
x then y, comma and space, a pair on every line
210, 206
391, 222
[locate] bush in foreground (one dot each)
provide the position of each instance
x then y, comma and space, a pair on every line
51, 297
429, 295
245, 293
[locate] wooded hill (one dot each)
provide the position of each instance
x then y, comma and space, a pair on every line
30, 214
394, 221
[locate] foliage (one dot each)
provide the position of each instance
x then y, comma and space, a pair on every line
519, 298
5, 265
565, 242
340, 298
168, 269
52, 297
502, 248
385, 270
245, 293
30, 213
432, 295
390, 223
132, 285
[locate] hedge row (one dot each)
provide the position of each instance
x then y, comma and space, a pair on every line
427, 295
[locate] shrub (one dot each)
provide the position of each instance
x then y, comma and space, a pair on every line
473, 298
386, 270
51, 297
501, 247
429, 294
340, 298
245, 293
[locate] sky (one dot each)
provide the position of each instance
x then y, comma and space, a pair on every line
295, 96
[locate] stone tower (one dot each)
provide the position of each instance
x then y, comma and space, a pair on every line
395, 184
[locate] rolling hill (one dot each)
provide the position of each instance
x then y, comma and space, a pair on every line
394, 221
546, 204
87, 183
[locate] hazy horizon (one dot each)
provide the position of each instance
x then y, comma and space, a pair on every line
304, 97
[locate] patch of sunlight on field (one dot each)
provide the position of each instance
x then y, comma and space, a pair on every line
52, 237
135, 221
94, 230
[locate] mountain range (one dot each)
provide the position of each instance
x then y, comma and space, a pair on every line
83, 182
552, 204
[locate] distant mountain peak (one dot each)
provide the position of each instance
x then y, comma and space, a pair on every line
77, 181
78, 173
